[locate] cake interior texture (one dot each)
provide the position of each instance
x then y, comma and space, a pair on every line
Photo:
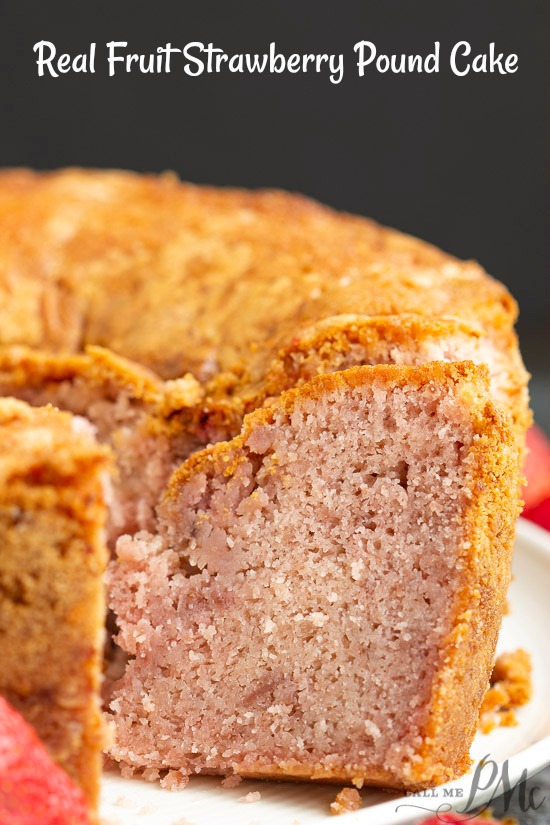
298, 606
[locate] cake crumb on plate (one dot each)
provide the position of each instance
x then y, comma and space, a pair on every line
349, 799
510, 688
231, 781
253, 796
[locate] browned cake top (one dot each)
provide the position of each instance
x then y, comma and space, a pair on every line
45, 445
181, 277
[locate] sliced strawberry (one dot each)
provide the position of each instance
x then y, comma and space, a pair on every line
537, 468
33, 789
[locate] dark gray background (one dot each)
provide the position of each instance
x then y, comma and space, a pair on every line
457, 161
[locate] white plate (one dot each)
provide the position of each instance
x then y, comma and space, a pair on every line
526, 748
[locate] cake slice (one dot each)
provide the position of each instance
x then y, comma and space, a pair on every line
52, 560
324, 594
342, 341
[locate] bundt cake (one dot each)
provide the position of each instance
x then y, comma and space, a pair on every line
318, 426
53, 480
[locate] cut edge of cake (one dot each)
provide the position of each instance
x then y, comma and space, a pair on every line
200, 543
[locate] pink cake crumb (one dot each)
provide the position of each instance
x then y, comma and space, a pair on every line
253, 796
349, 799
232, 781
174, 781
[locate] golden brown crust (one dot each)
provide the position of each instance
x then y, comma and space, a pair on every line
170, 407
388, 374
185, 278
224, 282
52, 513
324, 346
342, 341
468, 653
24, 367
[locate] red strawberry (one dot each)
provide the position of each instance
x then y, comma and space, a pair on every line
33, 789
537, 468
539, 514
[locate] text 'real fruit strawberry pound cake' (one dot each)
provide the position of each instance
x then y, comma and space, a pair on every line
317, 427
